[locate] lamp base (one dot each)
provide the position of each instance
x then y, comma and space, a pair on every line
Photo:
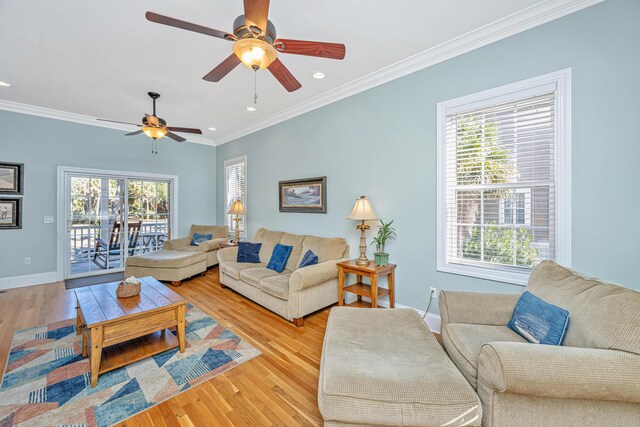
363, 261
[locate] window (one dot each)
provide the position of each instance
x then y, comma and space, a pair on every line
235, 184
504, 179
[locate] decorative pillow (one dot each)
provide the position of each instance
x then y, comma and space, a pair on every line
539, 322
279, 257
199, 238
249, 252
309, 258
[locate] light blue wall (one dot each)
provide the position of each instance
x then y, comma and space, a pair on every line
44, 144
382, 143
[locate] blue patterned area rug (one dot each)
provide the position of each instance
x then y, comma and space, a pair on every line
46, 381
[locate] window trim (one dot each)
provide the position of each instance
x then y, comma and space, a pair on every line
562, 81
229, 162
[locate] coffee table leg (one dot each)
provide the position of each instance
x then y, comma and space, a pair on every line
181, 326
96, 353
84, 344
78, 320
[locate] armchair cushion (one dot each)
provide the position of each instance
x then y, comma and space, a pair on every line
313, 275
463, 343
216, 231
539, 322
175, 244
198, 238
560, 372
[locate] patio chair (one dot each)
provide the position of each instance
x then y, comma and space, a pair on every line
107, 252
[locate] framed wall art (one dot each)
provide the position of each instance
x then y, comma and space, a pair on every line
10, 213
304, 195
11, 178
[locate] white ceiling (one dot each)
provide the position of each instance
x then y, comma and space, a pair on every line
99, 58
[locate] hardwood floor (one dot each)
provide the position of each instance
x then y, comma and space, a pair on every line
278, 388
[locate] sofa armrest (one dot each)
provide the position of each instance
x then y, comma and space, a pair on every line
228, 254
313, 275
175, 244
477, 308
559, 372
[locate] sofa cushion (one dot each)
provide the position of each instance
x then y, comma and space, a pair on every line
326, 248
166, 259
217, 231
309, 258
384, 367
278, 286
248, 252
294, 240
464, 342
253, 276
279, 257
233, 269
602, 313
269, 239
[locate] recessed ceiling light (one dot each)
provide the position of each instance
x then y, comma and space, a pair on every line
4, 84
319, 75
251, 109
212, 129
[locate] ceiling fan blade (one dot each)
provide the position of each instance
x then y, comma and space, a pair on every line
152, 120
116, 121
222, 69
133, 133
184, 130
256, 13
310, 48
284, 76
172, 22
175, 137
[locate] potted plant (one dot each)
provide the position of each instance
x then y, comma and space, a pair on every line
385, 232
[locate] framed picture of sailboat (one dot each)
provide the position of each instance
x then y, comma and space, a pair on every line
304, 195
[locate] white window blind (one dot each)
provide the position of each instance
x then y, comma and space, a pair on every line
235, 183
498, 179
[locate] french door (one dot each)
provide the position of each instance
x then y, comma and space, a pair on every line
109, 216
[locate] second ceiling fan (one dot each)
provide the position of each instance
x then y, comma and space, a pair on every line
256, 45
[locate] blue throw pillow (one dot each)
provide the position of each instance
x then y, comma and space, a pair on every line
199, 238
249, 252
309, 258
539, 322
279, 257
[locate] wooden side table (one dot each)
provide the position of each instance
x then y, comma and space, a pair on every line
371, 290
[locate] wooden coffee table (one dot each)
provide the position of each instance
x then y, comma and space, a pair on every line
132, 328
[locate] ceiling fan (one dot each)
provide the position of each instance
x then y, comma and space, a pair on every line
155, 127
256, 45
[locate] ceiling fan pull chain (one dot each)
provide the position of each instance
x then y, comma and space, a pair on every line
255, 87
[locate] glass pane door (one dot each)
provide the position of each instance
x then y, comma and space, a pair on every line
99, 233
149, 201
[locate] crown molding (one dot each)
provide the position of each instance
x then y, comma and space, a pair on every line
49, 113
518, 22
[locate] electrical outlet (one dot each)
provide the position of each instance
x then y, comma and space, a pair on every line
27, 261
48, 220
434, 291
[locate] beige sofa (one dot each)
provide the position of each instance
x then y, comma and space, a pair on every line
592, 379
220, 234
295, 292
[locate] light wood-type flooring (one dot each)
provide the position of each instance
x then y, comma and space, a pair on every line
278, 388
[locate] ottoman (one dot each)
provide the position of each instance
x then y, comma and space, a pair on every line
383, 367
169, 266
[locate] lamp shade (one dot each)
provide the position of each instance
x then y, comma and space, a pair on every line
362, 210
237, 208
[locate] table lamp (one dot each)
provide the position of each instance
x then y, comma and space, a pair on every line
237, 209
362, 211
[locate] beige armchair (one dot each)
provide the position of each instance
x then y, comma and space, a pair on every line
593, 379
219, 235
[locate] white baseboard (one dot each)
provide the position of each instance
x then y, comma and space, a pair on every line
28, 280
432, 320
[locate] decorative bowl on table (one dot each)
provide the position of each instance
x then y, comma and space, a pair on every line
130, 287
